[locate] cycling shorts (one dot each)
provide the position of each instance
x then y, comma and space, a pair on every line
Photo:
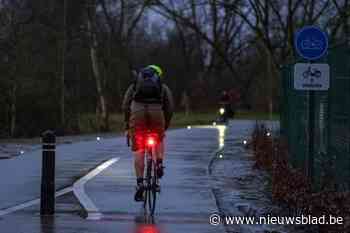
142, 121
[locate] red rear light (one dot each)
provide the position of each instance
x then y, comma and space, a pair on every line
151, 141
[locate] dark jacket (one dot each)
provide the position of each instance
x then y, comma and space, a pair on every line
129, 105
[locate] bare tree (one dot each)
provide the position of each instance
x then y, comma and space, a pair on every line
274, 24
339, 21
117, 19
93, 43
12, 23
121, 19
63, 66
215, 28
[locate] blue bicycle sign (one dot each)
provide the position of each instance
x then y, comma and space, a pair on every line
311, 43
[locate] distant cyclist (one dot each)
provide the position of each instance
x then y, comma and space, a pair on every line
225, 103
147, 105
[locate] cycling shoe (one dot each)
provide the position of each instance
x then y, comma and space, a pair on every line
160, 171
139, 193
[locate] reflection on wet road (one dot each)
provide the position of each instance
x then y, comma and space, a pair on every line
147, 228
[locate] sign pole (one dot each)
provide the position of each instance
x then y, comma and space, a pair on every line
310, 162
311, 43
311, 131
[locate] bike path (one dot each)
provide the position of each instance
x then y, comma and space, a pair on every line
185, 203
186, 196
21, 176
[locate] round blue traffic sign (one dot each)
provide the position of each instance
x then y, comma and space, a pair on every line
311, 43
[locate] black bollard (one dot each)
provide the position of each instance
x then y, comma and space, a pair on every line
47, 201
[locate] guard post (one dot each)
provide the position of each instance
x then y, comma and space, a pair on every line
47, 200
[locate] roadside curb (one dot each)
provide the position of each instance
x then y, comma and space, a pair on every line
212, 191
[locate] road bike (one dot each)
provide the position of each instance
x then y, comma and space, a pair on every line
151, 181
225, 112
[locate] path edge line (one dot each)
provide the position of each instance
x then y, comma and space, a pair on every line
92, 212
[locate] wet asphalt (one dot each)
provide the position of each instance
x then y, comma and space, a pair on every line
185, 203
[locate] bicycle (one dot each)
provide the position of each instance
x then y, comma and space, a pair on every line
151, 181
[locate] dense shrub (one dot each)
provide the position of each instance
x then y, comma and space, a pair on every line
290, 186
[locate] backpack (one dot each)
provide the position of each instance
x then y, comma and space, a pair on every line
148, 87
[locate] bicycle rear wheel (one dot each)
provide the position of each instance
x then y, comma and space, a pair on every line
152, 196
148, 184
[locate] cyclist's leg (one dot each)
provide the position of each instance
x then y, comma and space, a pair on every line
160, 158
139, 164
137, 131
160, 150
158, 125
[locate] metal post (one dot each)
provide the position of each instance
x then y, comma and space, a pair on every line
310, 167
47, 201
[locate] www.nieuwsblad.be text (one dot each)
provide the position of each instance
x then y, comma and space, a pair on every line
216, 219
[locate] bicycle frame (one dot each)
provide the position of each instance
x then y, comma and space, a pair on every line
151, 179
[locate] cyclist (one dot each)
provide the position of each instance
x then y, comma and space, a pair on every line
148, 105
226, 104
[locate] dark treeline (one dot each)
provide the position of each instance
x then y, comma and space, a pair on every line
62, 60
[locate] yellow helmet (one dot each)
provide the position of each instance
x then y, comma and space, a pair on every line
157, 69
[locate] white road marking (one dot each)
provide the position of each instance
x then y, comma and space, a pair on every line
79, 191
32, 202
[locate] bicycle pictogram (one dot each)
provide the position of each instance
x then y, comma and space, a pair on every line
311, 44
312, 73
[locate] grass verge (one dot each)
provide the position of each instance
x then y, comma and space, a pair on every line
88, 123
